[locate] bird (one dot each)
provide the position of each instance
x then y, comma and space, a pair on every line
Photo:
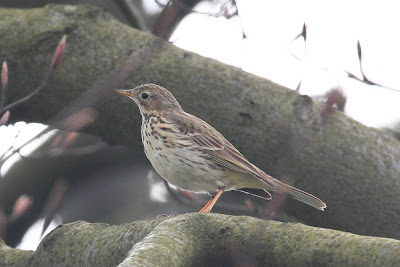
192, 155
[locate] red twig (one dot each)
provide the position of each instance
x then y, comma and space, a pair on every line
54, 63
4, 83
4, 118
55, 200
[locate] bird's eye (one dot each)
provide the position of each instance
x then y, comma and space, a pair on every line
145, 95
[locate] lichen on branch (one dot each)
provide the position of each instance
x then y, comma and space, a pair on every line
204, 239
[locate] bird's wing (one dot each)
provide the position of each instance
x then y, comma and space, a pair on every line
211, 142
224, 153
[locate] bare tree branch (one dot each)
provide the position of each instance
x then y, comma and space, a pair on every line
204, 240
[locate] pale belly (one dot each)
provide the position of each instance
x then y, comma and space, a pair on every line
188, 168
184, 168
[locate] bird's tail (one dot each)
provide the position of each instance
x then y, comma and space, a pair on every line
293, 192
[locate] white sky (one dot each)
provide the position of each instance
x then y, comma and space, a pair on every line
32, 237
333, 28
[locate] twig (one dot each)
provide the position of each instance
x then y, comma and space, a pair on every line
54, 63
304, 35
13, 150
4, 118
350, 75
54, 202
135, 12
136, 61
175, 10
4, 83
76, 151
364, 79
188, 9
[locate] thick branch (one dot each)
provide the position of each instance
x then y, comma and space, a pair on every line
204, 239
353, 168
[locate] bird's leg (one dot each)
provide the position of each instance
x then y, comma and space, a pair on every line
211, 203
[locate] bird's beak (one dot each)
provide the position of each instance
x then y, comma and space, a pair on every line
124, 92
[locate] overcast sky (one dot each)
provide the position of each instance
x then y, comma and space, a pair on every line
333, 28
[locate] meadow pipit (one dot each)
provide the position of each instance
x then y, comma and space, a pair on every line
192, 155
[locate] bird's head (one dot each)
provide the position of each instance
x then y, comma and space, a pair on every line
152, 98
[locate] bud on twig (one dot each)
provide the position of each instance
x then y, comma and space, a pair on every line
59, 52
298, 87
3, 222
79, 119
21, 206
4, 83
70, 138
4, 75
4, 118
55, 61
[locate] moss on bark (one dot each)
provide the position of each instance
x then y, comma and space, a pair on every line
204, 240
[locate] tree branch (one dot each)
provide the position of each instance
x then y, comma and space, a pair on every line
204, 239
353, 168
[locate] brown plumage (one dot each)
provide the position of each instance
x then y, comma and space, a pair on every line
192, 155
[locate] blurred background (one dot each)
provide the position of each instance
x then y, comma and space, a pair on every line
324, 49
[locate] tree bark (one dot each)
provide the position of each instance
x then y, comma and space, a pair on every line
204, 240
353, 168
